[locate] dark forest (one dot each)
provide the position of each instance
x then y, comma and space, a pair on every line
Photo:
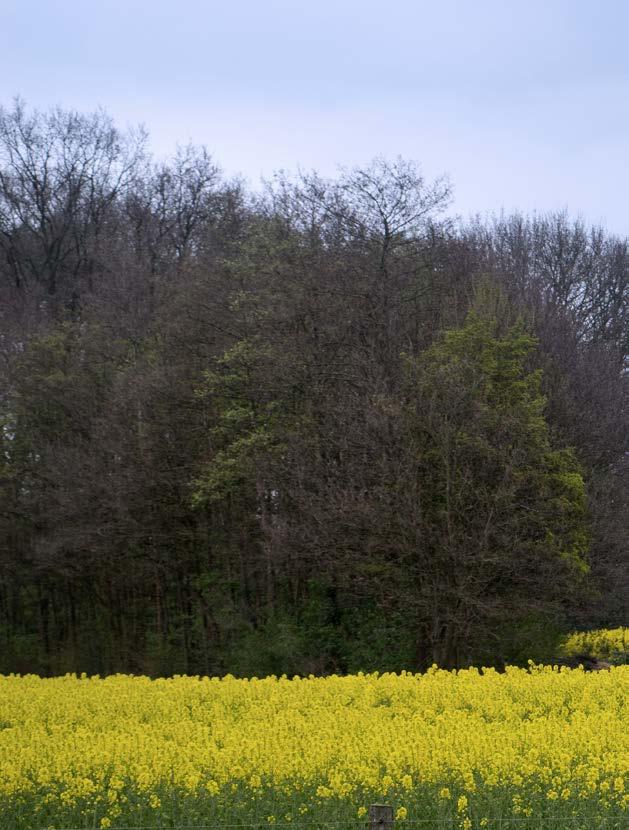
323, 425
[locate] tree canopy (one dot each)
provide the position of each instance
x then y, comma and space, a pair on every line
319, 427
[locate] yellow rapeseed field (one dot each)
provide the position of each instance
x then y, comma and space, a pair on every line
465, 749
605, 643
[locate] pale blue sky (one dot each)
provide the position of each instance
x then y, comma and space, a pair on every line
524, 104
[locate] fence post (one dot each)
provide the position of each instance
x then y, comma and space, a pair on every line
380, 817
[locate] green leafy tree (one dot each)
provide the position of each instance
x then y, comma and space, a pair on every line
503, 532
244, 423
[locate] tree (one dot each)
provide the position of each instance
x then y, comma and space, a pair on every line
503, 531
234, 439
61, 173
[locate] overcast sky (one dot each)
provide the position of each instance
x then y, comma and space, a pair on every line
524, 104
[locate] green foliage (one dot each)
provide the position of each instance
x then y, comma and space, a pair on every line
244, 427
504, 524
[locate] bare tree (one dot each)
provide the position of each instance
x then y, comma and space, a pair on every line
60, 174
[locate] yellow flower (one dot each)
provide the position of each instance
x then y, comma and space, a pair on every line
401, 814
466, 734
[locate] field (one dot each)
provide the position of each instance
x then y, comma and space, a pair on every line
605, 644
537, 748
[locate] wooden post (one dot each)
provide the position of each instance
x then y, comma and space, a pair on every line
380, 817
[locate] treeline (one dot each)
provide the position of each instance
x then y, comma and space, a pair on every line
320, 427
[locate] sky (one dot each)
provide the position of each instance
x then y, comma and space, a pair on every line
523, 104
